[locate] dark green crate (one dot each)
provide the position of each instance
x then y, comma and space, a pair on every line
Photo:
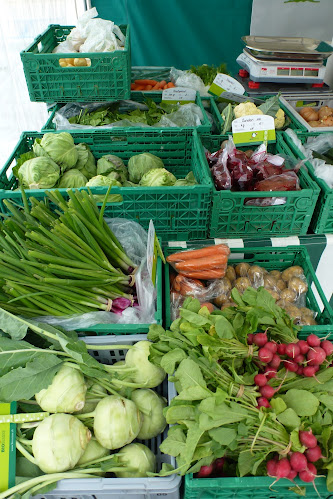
178, 213
232, 218
254, 487
205, 127
271, 258
108, 78
322, 221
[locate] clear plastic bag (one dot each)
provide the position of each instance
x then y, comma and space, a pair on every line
134, 239
188, 80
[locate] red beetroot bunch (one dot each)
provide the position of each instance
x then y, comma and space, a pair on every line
298, 463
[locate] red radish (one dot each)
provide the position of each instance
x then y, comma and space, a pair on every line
307, 439
205, 471
290, 365
298, 461
260, 380
272, 346
263, 402
250, 338
303, 346
292, 475
283, 468
267, 391
218, 464
308, 475
300, 371
260, 339
270, 372
292, 350
316, 368
265, 355
281, 348
300, 358
316, 356
271, 467
327, 346
313, 454
313, 340
309, 371
275, 362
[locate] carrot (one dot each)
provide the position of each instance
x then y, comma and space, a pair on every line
156, 87
199, 253
133, 86
146, 82
198, 264
140, 87
205, 274
165, 86
186, 286
161, 84
210, 306
149, 87
171, 85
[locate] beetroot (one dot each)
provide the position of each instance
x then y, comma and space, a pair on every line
260, 339
276, 361
313, 454
308, 475
260, 380
313, 340
292, 350
298, 461
205, 471
316, 356
263, 402
281, 348
303, 346
327, 346
265, 355
267, 391
272, 346
307, 439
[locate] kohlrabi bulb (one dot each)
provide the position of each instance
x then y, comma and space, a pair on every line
66, 393
151, 406
137, 457
94, 450
147, 375
58, 443
117, 422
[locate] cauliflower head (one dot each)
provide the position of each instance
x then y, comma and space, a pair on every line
279, 119
246, 109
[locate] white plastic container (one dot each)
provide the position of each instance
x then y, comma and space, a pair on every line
129, 488
294, 103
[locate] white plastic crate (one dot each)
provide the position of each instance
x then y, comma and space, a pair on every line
129, 488
294, 103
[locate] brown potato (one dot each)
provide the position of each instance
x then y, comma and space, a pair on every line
281, 303
295, 271
221, 299
270, 282
306, 311
242, 269
298, 285
242, 283
223, 286
288, 295
306, 320
293, 311
230, 273
273, 293
281, 284
256, 275
276, 274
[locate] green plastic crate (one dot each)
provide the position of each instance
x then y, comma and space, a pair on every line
178, 212
322, 221
108, 78
232, 218
270, 258
254, 487
205, 126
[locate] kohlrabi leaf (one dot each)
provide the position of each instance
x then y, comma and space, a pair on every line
271, 106
10, 358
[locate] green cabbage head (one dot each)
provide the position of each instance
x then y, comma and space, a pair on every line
39, 173
140, 164
61, 148
72, 178
111, 163
101, 181
59, 442
86, 162
159, 177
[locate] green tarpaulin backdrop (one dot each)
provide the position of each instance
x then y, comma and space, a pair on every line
181, 32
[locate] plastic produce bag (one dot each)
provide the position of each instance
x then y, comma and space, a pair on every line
134, 239
189, 80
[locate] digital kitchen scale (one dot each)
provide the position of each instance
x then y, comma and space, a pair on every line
284, 60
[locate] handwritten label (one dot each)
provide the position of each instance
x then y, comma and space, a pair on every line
225, 83
253, 129
178, 95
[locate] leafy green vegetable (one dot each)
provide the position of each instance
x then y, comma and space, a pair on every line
271, 106
72, 178
208, 73
39, 173
304, 403
157, 177
140, 164
227, 115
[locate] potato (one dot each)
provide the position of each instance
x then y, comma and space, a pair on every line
295, 271
281, 303
281, 284
228, 304
223, 286
306, 311
297, 285
307, 320
256, 275
273, 293
242, 283
276, 274
270, 282
293, 311
221, 299
288, 295
230, 273
242, 269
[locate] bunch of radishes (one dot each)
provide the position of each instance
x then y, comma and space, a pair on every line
303, 358
213, 470
298, 463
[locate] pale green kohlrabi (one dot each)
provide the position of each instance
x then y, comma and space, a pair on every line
58, 146
71, 179
66, 393
94, 450
158, 177
117, 422
110, 163
139, 458
140, 164
86, 162
146, 374
94, 395
59, 442
151, 406
38, 173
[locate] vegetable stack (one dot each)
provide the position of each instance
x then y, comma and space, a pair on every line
205, 263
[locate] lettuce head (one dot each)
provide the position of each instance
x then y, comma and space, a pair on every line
110, 163
158, 177
140, 164
72, 178
59, 147
39, 173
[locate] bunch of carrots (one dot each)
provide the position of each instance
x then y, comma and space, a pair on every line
145, 85
194, 265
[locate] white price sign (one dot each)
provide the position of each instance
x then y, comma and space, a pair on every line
225, 83
179, 94
253, 129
